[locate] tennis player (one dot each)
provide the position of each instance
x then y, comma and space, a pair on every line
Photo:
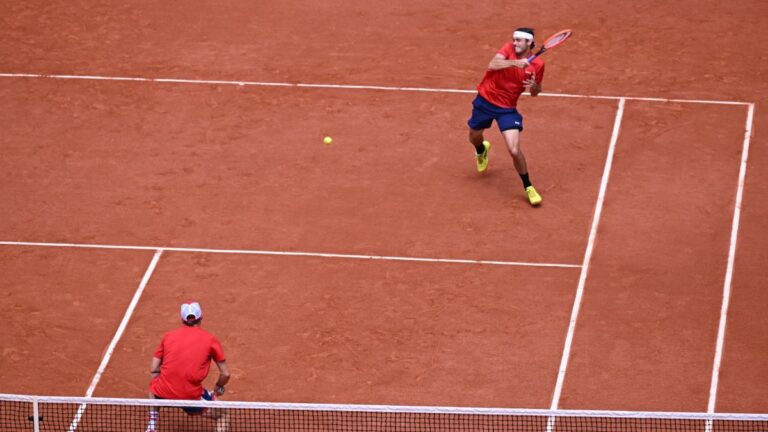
182, 362
509, 74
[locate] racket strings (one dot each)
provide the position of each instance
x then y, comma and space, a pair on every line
557, 39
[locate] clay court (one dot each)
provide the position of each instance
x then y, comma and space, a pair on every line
155, 152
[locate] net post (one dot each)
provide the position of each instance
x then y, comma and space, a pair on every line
36, 415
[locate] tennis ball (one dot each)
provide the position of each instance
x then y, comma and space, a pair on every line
327, 140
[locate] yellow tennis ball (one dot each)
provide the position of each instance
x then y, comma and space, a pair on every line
327, 140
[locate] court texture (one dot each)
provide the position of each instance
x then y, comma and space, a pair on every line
156, 152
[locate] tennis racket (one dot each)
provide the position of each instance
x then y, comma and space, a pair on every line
551, 42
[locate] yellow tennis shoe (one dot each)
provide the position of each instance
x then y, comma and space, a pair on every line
482, 158
533, 197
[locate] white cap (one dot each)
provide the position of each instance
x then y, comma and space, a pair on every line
191, 311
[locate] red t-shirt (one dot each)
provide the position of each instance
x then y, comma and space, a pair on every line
504, 86
186, 354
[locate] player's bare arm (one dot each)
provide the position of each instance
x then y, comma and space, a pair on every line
224, 376
154, 368
499, 62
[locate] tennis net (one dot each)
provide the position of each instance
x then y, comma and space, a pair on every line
69, 414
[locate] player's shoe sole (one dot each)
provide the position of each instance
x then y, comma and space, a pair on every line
533, 197
482, 159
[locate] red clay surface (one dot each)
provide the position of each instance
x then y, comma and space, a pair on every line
398, 42
342, 331
210, 166
744, 376
648, 325
61, 308
253, 173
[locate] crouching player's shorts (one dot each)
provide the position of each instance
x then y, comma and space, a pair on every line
207, 396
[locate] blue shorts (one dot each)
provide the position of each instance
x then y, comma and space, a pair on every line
484, 113
208, 396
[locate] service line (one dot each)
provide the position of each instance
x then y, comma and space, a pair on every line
292, 254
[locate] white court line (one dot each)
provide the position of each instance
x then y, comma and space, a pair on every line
729, 267
116, 338
344, 86
293, 254
587, 258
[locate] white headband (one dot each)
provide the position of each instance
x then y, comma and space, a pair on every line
522, 35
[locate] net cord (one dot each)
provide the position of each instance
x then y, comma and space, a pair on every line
35, 400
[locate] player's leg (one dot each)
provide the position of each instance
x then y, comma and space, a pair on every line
511, 129
219, 415
222, 422
480, 120
512, 140
153, 414
476, 139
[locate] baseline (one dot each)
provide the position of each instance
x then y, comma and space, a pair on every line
347, 87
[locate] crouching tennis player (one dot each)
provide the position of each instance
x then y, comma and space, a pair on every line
182, 362
509, 74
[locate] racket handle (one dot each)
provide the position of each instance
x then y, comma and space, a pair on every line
540, 52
